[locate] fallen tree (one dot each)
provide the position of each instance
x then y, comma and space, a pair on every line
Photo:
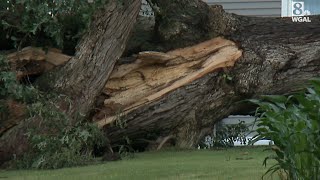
279, 57
180, 94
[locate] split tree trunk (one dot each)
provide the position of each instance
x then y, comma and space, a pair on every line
279, 57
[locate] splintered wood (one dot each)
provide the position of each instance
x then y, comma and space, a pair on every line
52, 56
150, 77
35, 61
155, 74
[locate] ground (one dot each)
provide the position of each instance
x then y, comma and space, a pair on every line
235, 163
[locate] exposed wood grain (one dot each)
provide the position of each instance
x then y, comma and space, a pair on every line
35, 61
53, 56
153, 75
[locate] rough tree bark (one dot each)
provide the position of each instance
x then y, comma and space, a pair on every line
84, 76
279, 57
181, 23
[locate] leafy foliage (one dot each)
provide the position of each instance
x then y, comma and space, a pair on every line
293, 123
55, 141
71, 146
11, 89
27, 20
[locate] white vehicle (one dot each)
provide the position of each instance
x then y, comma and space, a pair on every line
264, 142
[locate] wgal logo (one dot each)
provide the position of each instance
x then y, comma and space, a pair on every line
299, 14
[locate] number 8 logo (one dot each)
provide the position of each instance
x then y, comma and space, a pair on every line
297, 8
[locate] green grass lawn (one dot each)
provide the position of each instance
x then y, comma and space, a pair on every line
235, 163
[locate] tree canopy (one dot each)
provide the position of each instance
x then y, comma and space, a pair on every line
46, 22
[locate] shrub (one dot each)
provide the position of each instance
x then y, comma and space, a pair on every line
55, 142
293, 123
72, 146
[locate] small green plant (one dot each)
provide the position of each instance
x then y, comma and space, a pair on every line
120, 120
124, 148
293, 123
227, 77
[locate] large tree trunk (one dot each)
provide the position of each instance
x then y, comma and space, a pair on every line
84, 76
279, 57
